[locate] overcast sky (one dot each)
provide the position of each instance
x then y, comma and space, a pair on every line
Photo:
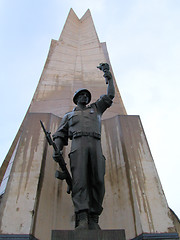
143, 40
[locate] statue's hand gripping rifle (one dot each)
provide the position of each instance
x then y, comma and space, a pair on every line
59, 158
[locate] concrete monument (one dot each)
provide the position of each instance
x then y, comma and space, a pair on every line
33, 202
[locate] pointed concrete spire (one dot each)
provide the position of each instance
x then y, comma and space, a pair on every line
72, 64
72, 19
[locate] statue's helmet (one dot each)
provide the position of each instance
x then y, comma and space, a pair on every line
78, 92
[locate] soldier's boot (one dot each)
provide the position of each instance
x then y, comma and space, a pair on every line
81, 221
93, 222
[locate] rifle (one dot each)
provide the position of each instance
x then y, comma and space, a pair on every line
59, 158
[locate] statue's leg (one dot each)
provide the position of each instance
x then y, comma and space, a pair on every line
97, 162
80, 195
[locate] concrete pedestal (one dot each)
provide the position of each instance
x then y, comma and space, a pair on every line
158, 236
88, 235
17, 237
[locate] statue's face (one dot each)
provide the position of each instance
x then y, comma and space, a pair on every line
83, 98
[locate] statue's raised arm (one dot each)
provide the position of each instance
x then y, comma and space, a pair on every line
109, 80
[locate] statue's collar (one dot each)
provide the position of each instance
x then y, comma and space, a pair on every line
80, 109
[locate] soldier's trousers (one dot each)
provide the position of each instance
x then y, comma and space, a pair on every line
88, 168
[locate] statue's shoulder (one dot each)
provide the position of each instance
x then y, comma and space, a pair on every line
68, 115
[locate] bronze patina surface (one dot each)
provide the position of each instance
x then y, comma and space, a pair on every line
87, 162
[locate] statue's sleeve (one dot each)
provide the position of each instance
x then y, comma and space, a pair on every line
103, 103
62, 131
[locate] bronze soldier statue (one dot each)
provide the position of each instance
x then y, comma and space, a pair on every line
83, 127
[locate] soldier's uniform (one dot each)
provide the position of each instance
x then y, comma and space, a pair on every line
83, 127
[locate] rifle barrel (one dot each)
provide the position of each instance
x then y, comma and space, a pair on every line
61, 161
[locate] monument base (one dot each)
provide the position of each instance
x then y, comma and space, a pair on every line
88, 235
17, 237
159, 236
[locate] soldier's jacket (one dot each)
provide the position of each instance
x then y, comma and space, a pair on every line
86, 122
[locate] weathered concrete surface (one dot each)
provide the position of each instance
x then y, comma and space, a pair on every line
134, 199
72, 64
17, 205
176, 221
34, 198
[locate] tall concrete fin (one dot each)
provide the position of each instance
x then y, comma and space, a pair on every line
70, 33
72, 64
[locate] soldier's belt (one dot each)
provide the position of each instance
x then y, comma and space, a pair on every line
91, 134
